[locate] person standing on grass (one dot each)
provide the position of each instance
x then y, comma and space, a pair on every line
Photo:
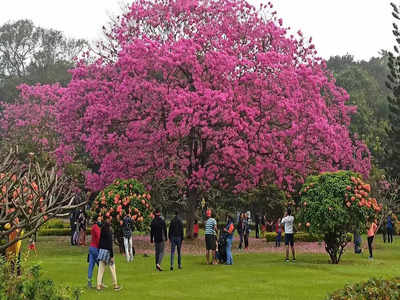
158, 235
195, 229
288, 221
175, 235
278, 230
82, 228
246, 230
228, 230
257, 224
73, 224
263, 225
384, 230
127, 226
211, 237
106, 256
240, 230
371, 234
389, 229
94, 248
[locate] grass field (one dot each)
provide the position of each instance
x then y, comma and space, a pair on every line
253, 276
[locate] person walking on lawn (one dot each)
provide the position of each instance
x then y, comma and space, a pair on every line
175, 235
289, 239
371, 234
94, 248
211, 237
106, 256
127, 226
158, 235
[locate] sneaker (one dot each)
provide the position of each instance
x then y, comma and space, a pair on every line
103, 286
370, 257
293, 260
180, 267
158, 267
117, 288
171, 269
286, 260
89, 285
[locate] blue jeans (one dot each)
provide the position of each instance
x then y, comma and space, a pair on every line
176, 242
229, 258
93, 254
278, 239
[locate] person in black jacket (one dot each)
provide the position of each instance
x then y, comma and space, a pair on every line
106, 255
175, 235
158, 234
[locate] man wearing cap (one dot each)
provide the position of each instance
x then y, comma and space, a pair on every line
211, 237
158, 234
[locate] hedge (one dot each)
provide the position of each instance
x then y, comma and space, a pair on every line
299, 237
373, 289
57, 231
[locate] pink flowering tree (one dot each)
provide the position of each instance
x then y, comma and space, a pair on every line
30, 122
214, 94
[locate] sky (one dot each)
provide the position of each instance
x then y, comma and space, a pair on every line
358, 27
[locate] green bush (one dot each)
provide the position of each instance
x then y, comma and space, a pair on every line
298, 237
121, 198
55, 223
333, 204
30, 286
373, 289
57, 231
301, 237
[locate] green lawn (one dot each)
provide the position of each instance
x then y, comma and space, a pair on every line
253, 276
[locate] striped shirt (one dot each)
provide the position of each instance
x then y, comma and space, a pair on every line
210, 226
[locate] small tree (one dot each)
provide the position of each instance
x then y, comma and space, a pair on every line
125, 197
333, 204
30, 195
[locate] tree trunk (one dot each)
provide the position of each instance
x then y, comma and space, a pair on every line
334, 245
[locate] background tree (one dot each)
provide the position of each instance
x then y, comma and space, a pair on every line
364, 81
393, 152
31, 54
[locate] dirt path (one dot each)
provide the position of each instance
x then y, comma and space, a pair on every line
196, 247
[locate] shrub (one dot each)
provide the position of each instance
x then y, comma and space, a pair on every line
30, 285
123, 197
373, 289
55, 223
300, 237
57, 231
333, 204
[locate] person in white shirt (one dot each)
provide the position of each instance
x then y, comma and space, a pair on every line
288, 222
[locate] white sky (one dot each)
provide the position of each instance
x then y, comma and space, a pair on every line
358, 27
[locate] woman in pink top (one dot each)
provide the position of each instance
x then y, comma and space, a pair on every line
371, 233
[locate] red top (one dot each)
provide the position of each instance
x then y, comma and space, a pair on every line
95, 233
277, 227
196, 228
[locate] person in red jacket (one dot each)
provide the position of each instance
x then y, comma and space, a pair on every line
94, 248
